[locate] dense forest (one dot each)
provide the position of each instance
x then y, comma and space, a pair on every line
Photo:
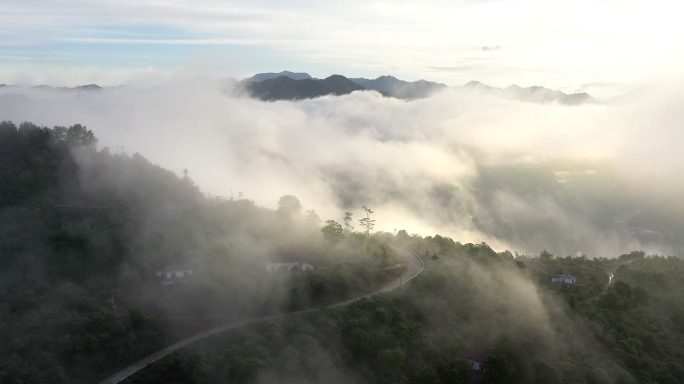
84, 231
468, 297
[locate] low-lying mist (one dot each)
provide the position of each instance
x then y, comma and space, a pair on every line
595, 179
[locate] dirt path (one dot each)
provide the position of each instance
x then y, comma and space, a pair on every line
415, 266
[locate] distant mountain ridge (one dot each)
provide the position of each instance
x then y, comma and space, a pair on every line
285, 88
259, 77
89, 87
534, 94
401, 89
288, 85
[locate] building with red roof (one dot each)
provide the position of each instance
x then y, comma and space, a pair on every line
477, 359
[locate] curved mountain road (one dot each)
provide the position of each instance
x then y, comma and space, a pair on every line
415, 266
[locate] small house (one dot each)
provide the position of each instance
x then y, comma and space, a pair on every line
175, 273
292, 266
109, 303
477, 359
563, 279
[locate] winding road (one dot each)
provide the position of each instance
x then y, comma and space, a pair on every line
415, 266
611, 276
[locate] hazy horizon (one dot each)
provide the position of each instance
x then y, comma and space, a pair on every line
591, 46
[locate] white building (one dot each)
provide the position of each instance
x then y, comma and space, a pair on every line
563, 279
175, 273
477, 359
292, 266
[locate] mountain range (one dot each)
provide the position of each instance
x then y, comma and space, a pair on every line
532, 94
296, 86
285, 88
259, 77
288, 85
401, 89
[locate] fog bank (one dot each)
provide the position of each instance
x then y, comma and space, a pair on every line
517, 175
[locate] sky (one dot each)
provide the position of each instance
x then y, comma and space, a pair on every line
602, 47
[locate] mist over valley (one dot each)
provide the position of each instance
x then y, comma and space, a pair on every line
466, 163
434, 193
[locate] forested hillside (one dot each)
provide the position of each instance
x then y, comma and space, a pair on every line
468, 297
80, 226
84, 231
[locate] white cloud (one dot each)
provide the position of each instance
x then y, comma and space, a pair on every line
547, 43
418, 164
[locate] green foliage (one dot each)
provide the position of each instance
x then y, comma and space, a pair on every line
348, 220
289, 207
468, 298
79, 226
639, 316
333, 233
455, 371
367, 222
498, 370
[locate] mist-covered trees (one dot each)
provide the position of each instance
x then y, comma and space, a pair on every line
289, 206
333, 232
545, 255
348, 222
78, 226
470, 297
367, 222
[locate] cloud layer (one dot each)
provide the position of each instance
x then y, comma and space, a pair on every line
517, 175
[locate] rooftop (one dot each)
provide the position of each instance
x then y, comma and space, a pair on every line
477, 355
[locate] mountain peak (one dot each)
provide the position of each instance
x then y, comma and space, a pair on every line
285, 88
533, 94
259, 77
391, 86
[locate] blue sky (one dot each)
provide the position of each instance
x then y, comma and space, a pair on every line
589, 45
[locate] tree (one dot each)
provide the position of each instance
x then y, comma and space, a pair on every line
391, 358
348, 222
187, 178
366, 221
428, 376
641, 295
497, 369
624, 289
197, 367
81, 137
289, 206
545, 255
455, 371
312, 217
333, 233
